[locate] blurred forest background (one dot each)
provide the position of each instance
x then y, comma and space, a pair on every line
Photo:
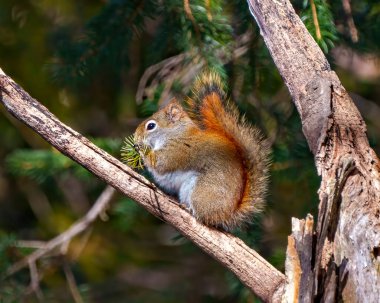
102, 66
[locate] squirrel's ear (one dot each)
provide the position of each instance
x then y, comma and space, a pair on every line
174, 111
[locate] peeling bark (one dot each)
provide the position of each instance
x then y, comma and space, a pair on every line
299, 261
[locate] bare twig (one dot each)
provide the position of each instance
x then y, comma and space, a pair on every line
189, 14
315, 20
72, 283
31, 244
182, 68
170, 62
64, 238
35, 280
350, 21
84, 240
208, 9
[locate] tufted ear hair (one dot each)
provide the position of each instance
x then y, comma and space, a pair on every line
174, 111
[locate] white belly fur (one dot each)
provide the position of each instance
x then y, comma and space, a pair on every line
181, 183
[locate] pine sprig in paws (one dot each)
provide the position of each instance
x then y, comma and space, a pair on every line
131, 154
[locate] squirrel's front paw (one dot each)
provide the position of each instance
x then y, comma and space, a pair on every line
187, 207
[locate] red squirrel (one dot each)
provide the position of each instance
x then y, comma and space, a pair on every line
207, 155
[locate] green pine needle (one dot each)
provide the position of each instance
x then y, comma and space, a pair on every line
130, 155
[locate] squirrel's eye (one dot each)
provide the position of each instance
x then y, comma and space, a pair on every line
150, 125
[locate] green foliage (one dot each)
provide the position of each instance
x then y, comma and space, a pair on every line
110, 145
126, 213
149, 106
40, 165
105, 41
277, 259
11, 292
6, 244
37, 164
200, 30
322, 28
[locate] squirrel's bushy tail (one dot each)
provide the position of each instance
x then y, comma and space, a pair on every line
213, 111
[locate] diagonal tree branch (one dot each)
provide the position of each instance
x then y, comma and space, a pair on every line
255, 272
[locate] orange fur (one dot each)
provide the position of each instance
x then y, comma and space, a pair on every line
213, 112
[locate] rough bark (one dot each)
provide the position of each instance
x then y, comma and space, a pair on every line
256, 273
347, 244
298, 263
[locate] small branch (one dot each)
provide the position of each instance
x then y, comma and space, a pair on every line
169, 62
83, 243
71, 283
64, 238
315, 20
189, 14
31, 244
35, 281
350, 21
208, 9
255, 272
182, 68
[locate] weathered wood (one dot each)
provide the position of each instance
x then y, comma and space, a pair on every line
298, 263
256, 273
348, 229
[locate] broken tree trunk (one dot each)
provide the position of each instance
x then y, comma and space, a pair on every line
345, 259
